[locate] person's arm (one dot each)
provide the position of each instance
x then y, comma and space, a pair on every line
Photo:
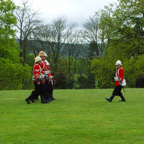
121, 75
37, 74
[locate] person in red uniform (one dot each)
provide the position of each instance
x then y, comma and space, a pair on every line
46, 71
38, 79
119, 77
50, 83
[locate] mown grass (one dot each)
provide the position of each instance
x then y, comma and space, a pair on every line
76, 117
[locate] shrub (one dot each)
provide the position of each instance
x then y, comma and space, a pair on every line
60, 81
140, 81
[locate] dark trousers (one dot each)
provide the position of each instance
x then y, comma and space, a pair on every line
117, 91
39, 90
47, 90
50, 88
45, 86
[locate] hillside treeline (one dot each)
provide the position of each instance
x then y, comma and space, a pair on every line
79, 57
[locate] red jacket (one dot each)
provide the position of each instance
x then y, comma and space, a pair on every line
37, 73
120, 75
50, 75
45, 68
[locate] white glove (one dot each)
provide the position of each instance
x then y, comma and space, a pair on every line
116, 78
46, 72
50, 77
41, 75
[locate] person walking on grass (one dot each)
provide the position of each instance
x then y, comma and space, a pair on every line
48, 77
46, 71
119, 79
50, 82
38, 79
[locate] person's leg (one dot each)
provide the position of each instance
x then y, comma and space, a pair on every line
121, 95
28, 99
48, 96
31, 96
36, 93
42, 93
51, 91
113, 94
45, 91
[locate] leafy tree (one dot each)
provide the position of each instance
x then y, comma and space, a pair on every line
61, 82
122, 29
83, 82
133, 67
11, 70
104, 71
91, 50
82, 66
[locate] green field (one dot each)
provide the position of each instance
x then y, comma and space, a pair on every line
76, 117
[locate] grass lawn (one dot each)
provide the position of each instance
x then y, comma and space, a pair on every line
76, 117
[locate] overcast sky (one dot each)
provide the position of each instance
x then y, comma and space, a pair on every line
75, 10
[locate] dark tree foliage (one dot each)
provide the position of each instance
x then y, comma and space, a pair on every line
83, 82
140, 81
60, 81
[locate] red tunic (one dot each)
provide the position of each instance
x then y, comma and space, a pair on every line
120, 75
45, 68
50, 74
37, 72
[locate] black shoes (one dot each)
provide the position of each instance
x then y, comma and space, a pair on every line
53, 99
43, 99
122, 98
122, 101
112, 96
108, 99
27, 100
33, 100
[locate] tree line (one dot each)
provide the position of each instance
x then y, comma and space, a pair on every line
79, 58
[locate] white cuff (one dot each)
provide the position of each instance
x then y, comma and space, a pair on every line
33, 78
116, 78
46, 72
41, 76
50, 77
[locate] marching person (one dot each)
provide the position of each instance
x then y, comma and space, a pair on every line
50, 83
45, 69
38, 79
119, 78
